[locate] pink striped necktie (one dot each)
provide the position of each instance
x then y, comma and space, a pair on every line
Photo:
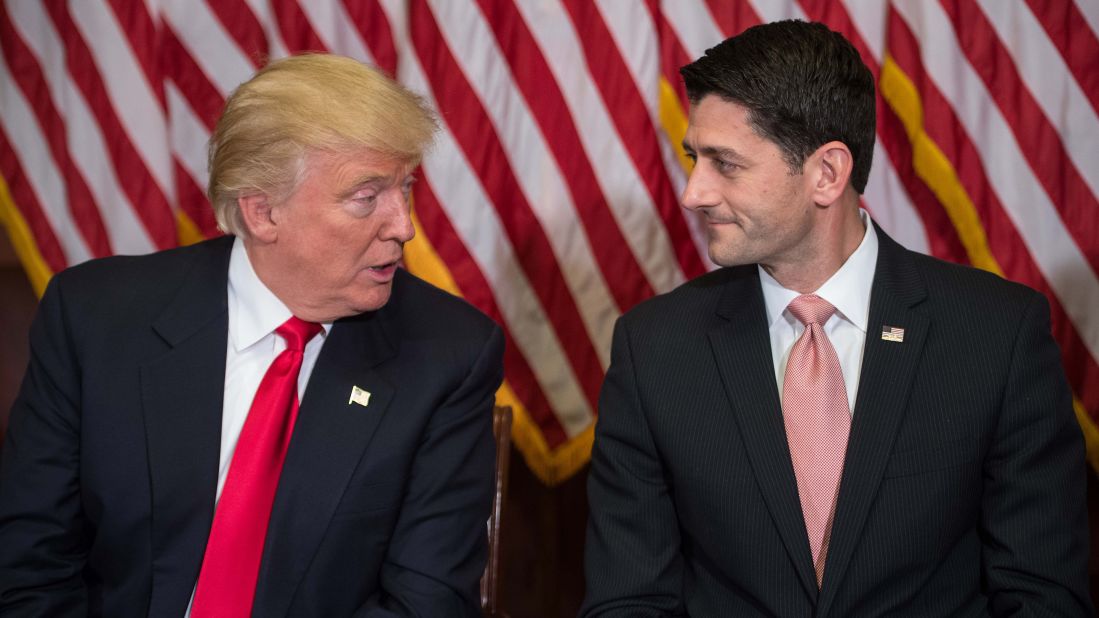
227, 581
818, 421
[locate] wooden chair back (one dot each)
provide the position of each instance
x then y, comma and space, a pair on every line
501, 429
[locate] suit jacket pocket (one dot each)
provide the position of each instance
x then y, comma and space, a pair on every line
365, 499
953, 453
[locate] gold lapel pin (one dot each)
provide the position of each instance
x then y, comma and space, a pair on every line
892, 333
359, 396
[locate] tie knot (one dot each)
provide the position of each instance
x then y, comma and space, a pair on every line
297, 333
811, 309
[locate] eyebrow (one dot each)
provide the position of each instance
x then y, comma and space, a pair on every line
715, 152
359, 184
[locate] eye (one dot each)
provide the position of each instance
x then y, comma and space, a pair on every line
362, 203
725, 167
406, 186
367, 198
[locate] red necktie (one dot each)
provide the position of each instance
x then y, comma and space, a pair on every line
817, 419
227, 582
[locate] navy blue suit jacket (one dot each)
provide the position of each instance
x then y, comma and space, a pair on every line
110, 462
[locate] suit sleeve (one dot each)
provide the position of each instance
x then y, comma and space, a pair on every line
1034, 526
632, 558
43, 546
438, 550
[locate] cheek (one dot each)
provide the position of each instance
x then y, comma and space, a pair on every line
344, 244
332, 262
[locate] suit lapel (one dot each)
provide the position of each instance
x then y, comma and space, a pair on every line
888, 369
329, 439
182, 396
742, 349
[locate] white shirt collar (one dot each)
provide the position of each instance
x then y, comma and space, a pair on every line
254, 310
848, 289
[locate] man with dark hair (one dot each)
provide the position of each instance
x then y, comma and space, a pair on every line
831, 425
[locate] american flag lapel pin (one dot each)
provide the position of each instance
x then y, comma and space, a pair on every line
892, 333
359, 396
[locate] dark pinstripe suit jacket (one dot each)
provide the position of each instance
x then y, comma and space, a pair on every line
962, 491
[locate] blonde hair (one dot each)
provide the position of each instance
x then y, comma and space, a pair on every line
303, 103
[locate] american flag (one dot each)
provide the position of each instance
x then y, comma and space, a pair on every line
892, 333
550, 200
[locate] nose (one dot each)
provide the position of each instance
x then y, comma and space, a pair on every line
699, 192
398, 225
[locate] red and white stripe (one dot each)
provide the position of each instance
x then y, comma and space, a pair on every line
551, 195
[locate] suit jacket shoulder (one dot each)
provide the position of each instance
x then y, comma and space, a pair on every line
974, 314
956, 283
431, 312
138, 287
691, 306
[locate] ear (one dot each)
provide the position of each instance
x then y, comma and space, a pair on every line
256, 213
831, 166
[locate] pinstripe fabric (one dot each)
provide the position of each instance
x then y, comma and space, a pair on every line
962, 492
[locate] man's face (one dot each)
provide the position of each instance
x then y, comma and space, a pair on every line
341, 233
756, 211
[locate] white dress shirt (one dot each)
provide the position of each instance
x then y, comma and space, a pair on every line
254, 314
849, 292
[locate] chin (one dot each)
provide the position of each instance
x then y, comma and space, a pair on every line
376, 299
723, 256
733, 258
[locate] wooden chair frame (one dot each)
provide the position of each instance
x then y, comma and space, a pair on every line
490, 581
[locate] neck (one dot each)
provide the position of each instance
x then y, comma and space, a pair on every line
282, 287
823, 253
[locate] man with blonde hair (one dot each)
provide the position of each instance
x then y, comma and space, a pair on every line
158, 461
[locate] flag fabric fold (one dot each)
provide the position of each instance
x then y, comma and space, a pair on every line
550, 200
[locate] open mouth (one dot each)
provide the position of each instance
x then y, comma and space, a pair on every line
382, 273
384, 267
